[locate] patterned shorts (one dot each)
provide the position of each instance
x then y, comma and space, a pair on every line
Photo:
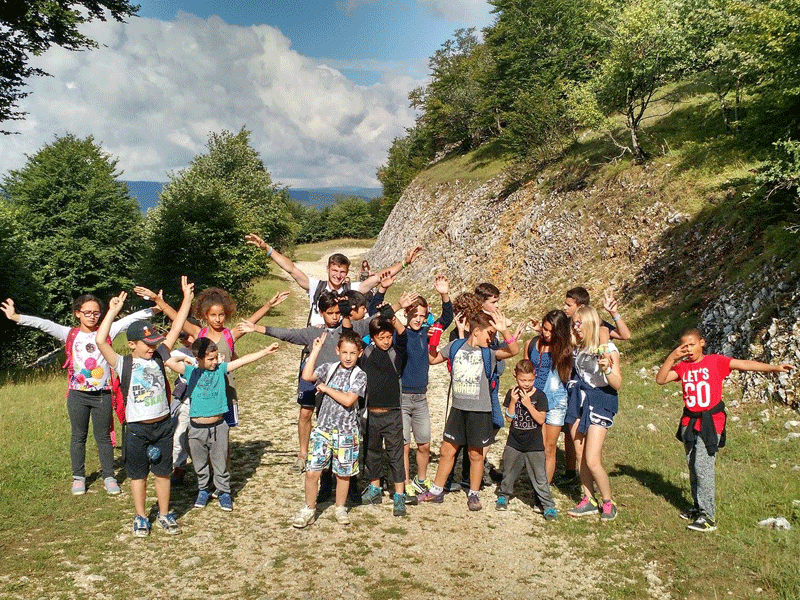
340, 450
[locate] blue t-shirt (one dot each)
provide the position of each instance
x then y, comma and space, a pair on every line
208, 397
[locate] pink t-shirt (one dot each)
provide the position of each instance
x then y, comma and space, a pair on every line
702, 386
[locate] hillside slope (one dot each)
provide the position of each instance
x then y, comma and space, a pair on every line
681, 238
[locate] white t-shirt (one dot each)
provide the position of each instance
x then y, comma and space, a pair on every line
313, 282
147, 396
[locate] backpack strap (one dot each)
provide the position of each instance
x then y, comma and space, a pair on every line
226, 333
125, 377
315, 299
454, 348
203, 332
73, 333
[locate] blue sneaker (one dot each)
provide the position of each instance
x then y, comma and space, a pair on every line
202, 499
372, 495
502, 503
141, 526
225, 501
168, 523
550, 514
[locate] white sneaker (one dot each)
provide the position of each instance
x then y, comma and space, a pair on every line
305, 517
340, 512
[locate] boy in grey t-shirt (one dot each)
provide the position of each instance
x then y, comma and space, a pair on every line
335, 439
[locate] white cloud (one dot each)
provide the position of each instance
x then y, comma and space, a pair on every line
154, 90
473, 12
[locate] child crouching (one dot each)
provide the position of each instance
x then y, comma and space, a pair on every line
335, 440
526, 409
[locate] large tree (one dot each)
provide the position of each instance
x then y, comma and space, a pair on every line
204, 212
83, 229
29, 27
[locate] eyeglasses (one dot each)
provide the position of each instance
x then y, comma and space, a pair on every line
90, 313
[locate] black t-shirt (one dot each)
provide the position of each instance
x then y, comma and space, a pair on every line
525, 434
383, 374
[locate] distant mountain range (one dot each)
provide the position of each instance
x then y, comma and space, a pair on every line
147, 192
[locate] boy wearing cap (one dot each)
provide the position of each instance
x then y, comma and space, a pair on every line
148, 435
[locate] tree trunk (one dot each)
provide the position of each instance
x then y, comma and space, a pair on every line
633, 126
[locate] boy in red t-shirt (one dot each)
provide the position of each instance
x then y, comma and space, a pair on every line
702, 426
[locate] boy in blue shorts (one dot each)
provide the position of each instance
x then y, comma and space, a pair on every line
335, 440
147, 444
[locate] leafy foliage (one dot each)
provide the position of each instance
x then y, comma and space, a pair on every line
29, 27
348, 217
198, 228
83, 231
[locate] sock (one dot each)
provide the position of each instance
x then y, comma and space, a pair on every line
436, 490
474, 493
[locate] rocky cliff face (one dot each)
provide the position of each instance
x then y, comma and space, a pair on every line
536, 241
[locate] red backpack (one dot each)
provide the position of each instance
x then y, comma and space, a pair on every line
116, 392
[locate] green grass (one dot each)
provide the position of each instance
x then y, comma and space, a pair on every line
312, 252
475, 167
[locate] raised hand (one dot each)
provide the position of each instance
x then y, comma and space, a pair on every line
186, 287
254, 240
609, 302
412, 254
115, 304
407, 298
246, 326
8, 308
278, 298
441, 284
144, 293
498, 321
387, 279
317, 345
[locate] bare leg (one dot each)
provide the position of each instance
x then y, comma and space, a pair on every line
447, 455
139, 493
406, 452
304, 428
312, 484
342, 486
476, 456
593, 457
162, 494
578, 442
550, 435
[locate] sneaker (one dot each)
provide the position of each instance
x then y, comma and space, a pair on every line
538, 508
399, 509
587, 506
340, 513
567, 479
141, 526
177, 476
502, 503
702, 523
690, 514
420, 485
78, 487
551, 514
429, 496
168, 523
411, 490
226, 502
372, 495
299, 465
305, 517
112, 487
608, 511
202, 499
473, 502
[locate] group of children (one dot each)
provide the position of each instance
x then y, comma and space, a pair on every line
365, 374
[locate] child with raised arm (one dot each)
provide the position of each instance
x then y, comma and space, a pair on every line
208, 431
335, 440
470, 420
591, 407
702, 425
89, 386
525, 410
148, 435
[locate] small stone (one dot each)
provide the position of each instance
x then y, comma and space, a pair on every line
94, 577
791, 424
192, 561
652, 427
735, 418
793, 436
773, 466
653, 579
639, 407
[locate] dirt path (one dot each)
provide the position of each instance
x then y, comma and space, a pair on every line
437, 551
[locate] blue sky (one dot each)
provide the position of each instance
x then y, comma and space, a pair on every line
368, 33
322, 86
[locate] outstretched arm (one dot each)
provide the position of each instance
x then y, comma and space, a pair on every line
754, 365
101, 337
283, 262
373, 280
161, 304
259, 314
183, 312
59, 332
252, 357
